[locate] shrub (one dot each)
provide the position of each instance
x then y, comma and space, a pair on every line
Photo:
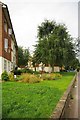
17, 72
58, 76
51, 76
11, 77
35, 72
29, 78
29, 71
34, 79
19, 77
48, 76
25, 70
4, 76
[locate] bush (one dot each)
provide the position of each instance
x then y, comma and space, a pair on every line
19, 78
58, 76
4, 76
51, 76
17, 72
11, 77
32, 78
48, 76
29, 78
25, 70
36, 72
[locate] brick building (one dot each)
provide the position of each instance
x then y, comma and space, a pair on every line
8, 44
79, 29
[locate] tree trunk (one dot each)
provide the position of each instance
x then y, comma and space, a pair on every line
61, 68
35, 68
53, 68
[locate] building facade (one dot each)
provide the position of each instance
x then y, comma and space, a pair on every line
8, 44
79, 29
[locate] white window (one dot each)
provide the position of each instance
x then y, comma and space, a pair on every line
5, 27
11, 66
5, 65
14, 50
5, 44
9, 31
8, 66
14, 59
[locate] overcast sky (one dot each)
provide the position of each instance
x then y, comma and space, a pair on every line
26, 15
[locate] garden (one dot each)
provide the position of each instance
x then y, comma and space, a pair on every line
33, 95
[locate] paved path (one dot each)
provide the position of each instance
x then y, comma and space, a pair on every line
73, 110
79, 95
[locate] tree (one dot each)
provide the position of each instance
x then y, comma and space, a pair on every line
23, 56
54, 45
77, 47
46, 28
20, 55
75, 63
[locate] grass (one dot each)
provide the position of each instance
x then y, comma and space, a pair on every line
38, 100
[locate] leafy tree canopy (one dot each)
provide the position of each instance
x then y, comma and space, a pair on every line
23, 56
54, 45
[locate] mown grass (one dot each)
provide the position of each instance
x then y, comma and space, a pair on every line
38, 100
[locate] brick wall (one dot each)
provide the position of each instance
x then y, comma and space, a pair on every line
0, 30
4, 15
5, 54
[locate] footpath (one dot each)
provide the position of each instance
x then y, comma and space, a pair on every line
79, 95
73, 109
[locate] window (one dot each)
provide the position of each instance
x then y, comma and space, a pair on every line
14, 58
8, 66
5, 27
11, 66
5, 65
9, 31
6, 44
14, 50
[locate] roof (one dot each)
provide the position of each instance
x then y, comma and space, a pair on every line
7, 15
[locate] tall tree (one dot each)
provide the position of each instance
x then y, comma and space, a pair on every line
77, 47
23, 56
53, 45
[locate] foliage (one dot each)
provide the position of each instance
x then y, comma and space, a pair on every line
17, 72
30, 78
46, 28
23, 56
11, 77
77, 46
33, 100
34, 78
18, 78
54, 45
78, 68
75, 63
58, 76
51, 76
25, 70
4, 76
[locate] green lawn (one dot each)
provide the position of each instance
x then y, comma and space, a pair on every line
38, 100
